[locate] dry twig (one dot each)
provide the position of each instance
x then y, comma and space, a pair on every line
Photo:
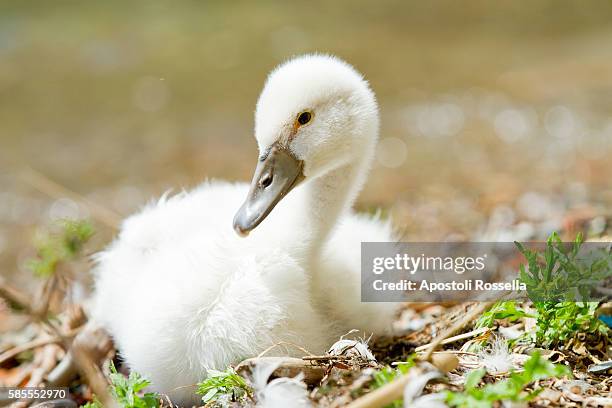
15, 351
453, 339
286, 367
457, 326
89, 349
49, 187
14, 297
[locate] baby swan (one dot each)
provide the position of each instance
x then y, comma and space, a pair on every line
181, 292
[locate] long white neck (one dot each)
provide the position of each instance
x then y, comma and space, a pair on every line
317, 205
325, 199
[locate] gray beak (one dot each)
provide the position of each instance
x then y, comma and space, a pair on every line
276, 174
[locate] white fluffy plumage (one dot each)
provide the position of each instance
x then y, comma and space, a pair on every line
181, 292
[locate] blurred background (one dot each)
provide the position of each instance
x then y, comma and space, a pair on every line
495, 115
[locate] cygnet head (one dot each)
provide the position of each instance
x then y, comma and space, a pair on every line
315, 114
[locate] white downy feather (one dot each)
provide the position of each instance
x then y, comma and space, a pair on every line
280, 392
496, 357
415, 387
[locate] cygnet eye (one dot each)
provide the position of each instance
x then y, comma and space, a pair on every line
304, 118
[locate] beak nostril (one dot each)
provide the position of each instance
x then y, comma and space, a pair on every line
274, 177
266, 181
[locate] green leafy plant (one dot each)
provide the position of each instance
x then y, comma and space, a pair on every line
555, 278
505, 309
61, 246
223, 385
509, 389
128, 391
561, 272
559, 322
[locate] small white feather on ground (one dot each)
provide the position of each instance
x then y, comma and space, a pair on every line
496, 358
413, 397
352, 348
280, 392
